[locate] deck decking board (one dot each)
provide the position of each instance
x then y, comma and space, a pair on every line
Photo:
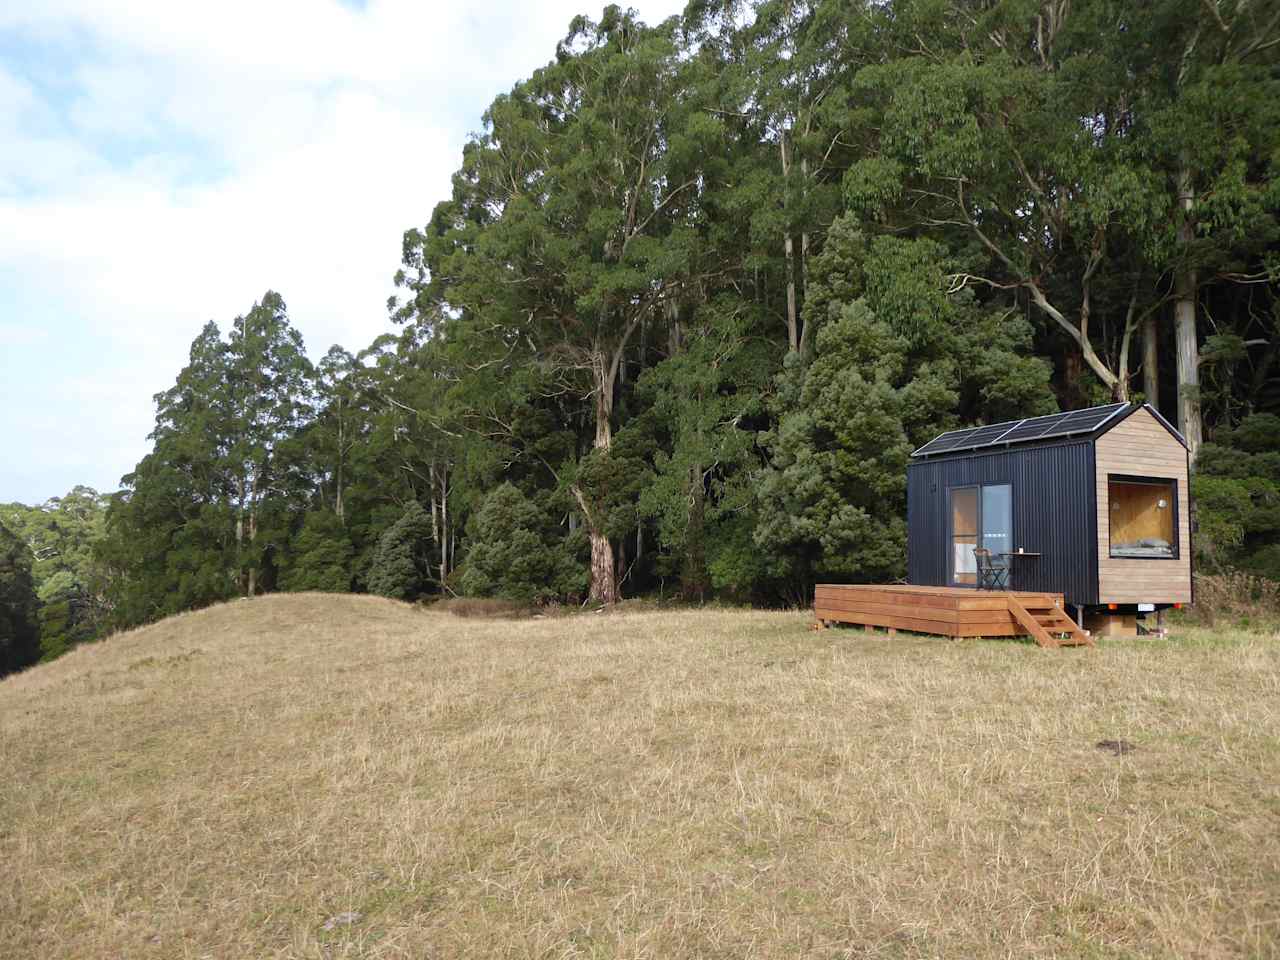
942, 611
942, 615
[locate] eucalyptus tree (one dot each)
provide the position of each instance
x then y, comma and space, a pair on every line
339, 423
1106, 157
1009, 130
1205, 93
268, 402
414, 439
573, 222
208, 511
800, 59
169, 541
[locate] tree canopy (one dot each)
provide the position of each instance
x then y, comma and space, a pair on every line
699, 288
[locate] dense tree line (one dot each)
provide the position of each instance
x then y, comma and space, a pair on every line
702, 286
52, 592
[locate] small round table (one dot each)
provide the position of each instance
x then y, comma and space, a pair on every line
1018, 555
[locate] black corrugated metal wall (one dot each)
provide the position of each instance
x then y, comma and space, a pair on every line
1054, 514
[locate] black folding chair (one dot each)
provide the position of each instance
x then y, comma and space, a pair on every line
991, 576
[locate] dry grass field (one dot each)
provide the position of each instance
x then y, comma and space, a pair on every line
321, 776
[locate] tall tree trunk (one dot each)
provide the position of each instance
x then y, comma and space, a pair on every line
604, 572
444, 523
1150, 361
240, 581
1120, 392
789, 252
604, 576
1072, 374
694, 580
1184, 321
803, 266
338, 506
437, 540
253, 566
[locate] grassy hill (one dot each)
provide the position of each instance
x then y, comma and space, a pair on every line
332, 776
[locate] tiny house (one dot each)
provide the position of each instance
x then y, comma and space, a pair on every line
1093, 505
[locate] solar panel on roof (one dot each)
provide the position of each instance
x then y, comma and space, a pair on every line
1083, 421
952, 439
1022, 431
987, 434
964, 439
1030, 430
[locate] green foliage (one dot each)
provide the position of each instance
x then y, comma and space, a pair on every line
1236, 488
56, 629
320, 556
516, 555
401, 566
699, 289
207, 512
70, 583
896, 358
703, 395
18, 630
832, 499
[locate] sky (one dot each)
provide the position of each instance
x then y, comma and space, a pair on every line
163, 164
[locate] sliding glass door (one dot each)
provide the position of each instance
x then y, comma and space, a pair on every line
964, 536
981, 518
997, 519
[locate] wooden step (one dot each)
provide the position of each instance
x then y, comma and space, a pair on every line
1048, 625
1030, 624
1069, 633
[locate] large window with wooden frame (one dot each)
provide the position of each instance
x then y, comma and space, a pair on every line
981, 518
1144, 517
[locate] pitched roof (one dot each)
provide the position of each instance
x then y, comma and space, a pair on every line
1094, 420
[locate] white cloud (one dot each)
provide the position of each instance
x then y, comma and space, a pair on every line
185, 159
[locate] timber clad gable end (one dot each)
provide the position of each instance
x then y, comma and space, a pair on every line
1139, 447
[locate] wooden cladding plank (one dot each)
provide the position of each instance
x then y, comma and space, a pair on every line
987, 628
903, 602
997, 601
1141, 510
920, 613
965, 597
1141, 447
899, 587
938, 597
881, 606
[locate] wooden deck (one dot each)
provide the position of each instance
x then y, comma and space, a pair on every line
950, 612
